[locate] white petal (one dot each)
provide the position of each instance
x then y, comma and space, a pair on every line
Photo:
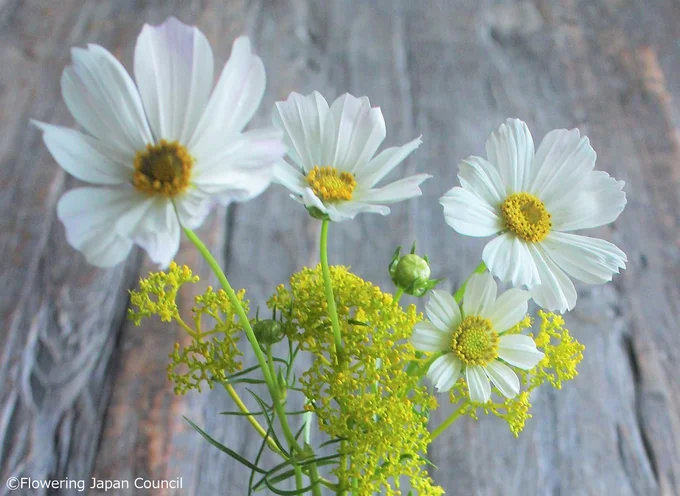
509, 308
289, 177
397, 191
443, 310
350, 209
508, 258
478, 384
503, 377
89, 216
357, 127
590, 260
192, 208
511, 149
519, 350
480, 295
308, 127
427, 337
174, 74
243, 168
444, 372
82, 156
479, 177
598, 201
470, 215
153, 226
369, 175
104, 100
309, 199
233, 102
562, 162
556, 291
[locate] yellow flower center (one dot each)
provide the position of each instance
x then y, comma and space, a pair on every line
525, 215
474, 341
331, 185
162, 169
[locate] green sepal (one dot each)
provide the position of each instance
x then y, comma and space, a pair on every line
317, 214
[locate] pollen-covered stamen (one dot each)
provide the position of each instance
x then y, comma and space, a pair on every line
162, 169
525, 215
331, 185
474, 341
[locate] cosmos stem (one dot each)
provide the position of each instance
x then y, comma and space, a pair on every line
332, 310
243, 318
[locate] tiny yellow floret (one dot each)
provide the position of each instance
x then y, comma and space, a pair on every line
525, 215
331, 185
163, 169
474, 341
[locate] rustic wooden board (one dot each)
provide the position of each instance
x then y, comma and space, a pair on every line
84, 393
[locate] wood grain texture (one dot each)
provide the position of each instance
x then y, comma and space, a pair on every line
84, 393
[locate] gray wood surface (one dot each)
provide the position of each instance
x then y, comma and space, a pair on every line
84, 393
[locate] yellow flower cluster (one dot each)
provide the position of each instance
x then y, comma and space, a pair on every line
157, 294
212, 354
562, 354
367, 399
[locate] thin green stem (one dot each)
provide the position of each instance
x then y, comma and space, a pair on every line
458, 296
450, 420
298, 477
243, 318
337, 338
315, 479
397, 295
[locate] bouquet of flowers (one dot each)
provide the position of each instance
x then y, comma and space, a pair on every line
164, 148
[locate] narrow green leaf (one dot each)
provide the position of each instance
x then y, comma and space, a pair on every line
226, 450
269, 421
254, 414
332, 441
257, 460
247, 380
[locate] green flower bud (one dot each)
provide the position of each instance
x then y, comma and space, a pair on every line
411, 268
268, 331
411, 273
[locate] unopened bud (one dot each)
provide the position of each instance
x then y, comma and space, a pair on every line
268, 331
411, 273
411, 268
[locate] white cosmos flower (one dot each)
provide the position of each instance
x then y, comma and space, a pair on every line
168, 140
473, 341
333, 150
531, 200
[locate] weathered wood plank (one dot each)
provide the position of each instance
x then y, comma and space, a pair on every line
60, 318
451, 71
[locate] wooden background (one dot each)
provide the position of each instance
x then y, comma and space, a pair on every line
84, 393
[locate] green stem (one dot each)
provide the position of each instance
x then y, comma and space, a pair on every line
315, 479
450, 420
330, 299
298, 477
461, 291
329, 290
397, 295
243, 318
